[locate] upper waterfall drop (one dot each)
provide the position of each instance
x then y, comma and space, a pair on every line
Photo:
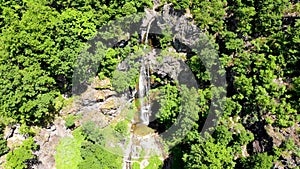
144, 81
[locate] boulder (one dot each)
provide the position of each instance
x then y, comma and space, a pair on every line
257, 147
15, 139
110, 106
89, 97
98, 118
9, 131
277, 137
101, 83
42, 137
102, 95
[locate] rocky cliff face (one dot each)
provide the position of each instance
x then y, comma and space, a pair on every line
48, 139
99, 103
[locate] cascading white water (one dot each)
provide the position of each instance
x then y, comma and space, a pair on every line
144, 88
144, 84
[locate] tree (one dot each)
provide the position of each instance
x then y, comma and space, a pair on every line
209, 154
92, 133
169, 101
94, 156
3, 143
17, 158
262, 160
68, 154
26, 93
209, 14
40, 42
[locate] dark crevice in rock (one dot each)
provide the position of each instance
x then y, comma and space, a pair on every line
263, 142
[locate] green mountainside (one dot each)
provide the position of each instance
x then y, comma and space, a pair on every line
257, 44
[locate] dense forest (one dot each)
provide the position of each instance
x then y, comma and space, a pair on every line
255, 43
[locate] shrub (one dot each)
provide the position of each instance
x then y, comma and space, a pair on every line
17, 158
70, 121
121, 127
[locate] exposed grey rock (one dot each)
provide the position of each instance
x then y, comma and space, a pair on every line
277, 137
183, 28
51, 128
48, 140
102, 95
15, 139
98, 118
257, 147
110, 106
171, 68
9, 131
101, 84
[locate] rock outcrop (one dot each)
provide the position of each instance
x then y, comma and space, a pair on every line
48, 139
13, 136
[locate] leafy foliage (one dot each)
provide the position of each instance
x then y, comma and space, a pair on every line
92, 133
154, 162
169, 100
256, 42
3, 143
70, 121
68, 154
122, 127
96, 157
17, 158
40, 42
262, 160
209, 154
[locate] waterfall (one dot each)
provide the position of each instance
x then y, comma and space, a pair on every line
132, 151
144, 87
144, 83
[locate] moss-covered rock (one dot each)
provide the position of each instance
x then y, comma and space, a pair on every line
101, 83
110, 106
277, 137
102, 95
142, 130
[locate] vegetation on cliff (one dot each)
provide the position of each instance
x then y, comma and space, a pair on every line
257, 43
